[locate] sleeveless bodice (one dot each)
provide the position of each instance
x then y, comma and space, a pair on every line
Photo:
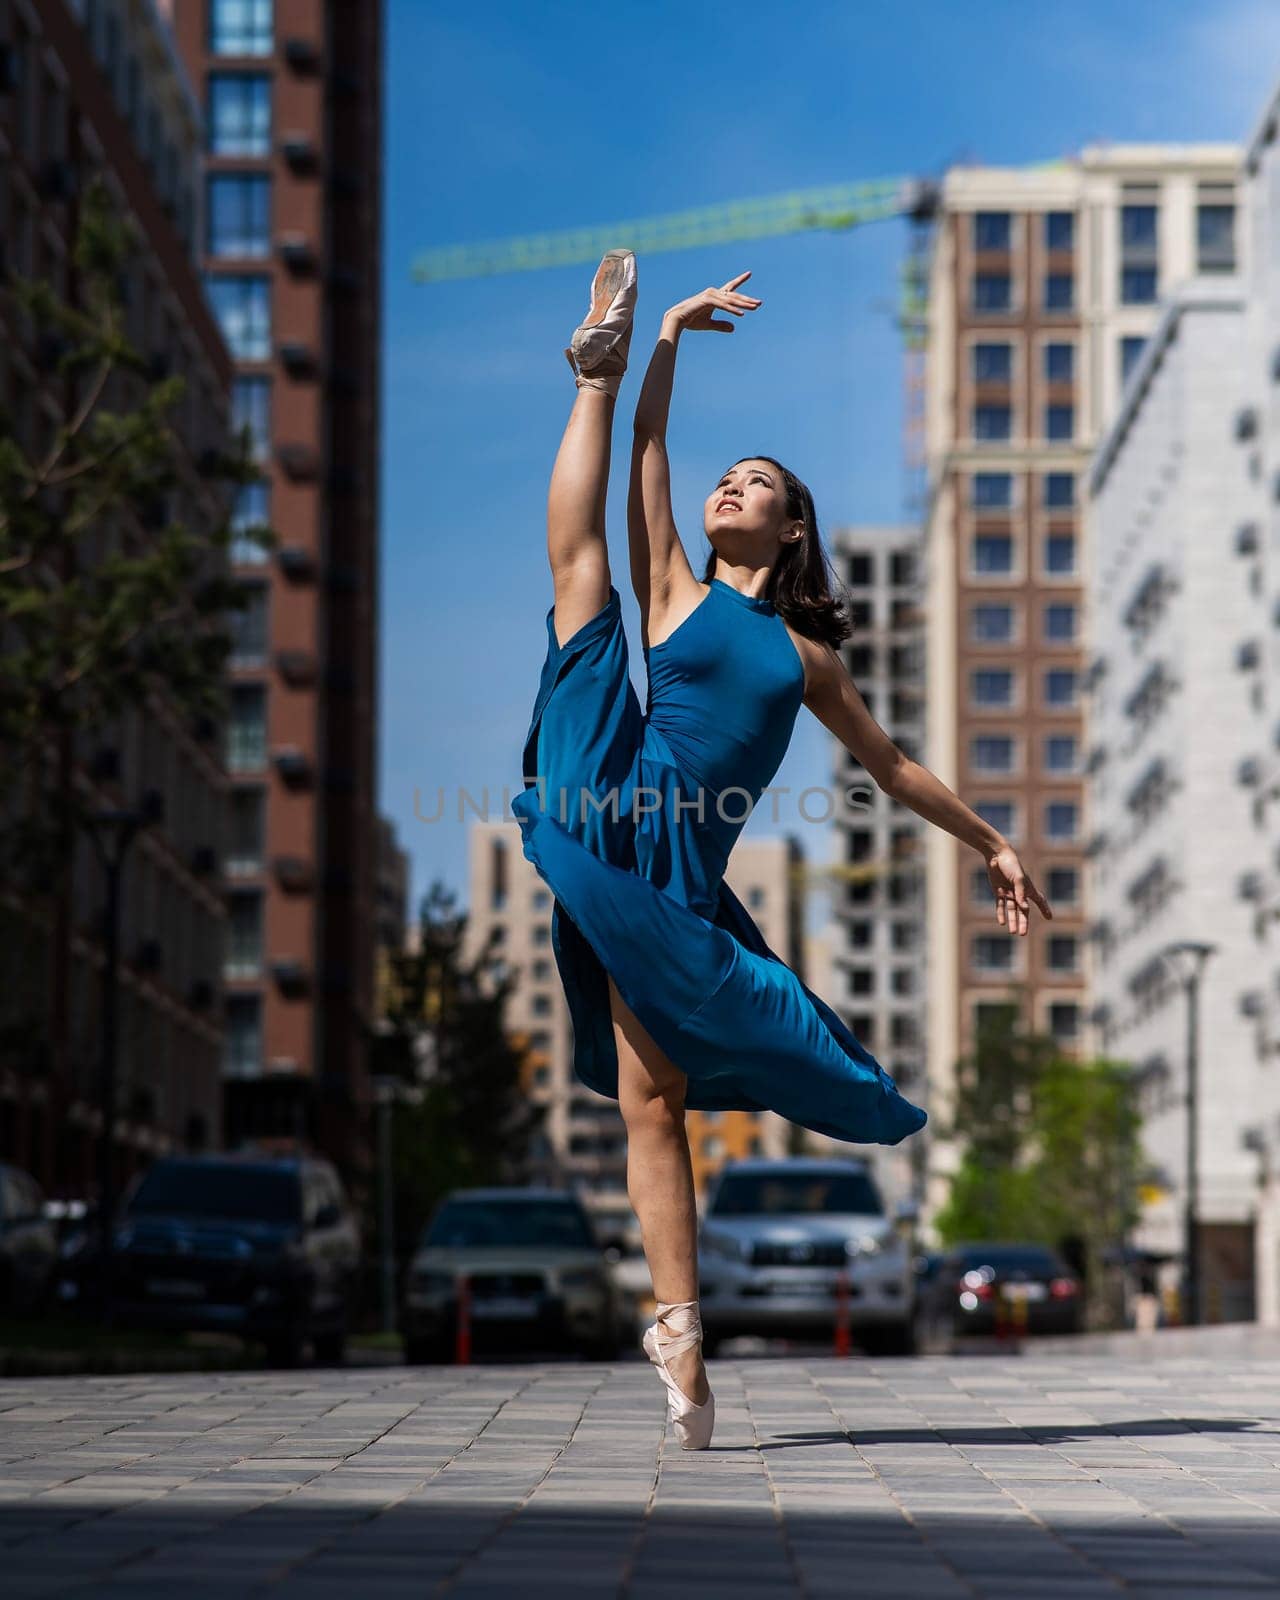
724, 692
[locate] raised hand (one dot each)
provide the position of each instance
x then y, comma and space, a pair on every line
697, 312
1013, 891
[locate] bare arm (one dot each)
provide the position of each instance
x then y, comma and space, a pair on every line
833, 698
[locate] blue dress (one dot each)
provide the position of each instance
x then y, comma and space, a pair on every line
629, 819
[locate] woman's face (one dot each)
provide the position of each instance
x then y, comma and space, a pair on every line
749, 500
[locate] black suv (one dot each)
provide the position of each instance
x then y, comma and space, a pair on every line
265, 1248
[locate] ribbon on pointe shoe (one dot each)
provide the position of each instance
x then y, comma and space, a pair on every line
607, 383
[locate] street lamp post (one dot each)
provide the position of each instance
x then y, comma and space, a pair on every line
1187, 961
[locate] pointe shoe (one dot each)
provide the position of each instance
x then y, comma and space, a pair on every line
598, 350
692, 1424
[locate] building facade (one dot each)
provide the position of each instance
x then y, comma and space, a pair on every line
95, 91
1044, 283
291, 99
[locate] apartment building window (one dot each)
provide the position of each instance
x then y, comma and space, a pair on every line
244, 934
1061, 754
239, 114
991, 622
1060, 554
992, 363
904, 936
242, 305
542, 934
541, 971
247, 833
238, 214
992, 423
1215, 237
251, 408
247, 728
1059, 362
1063, 953
1064, 1020
861, 935
862, 981
991, 952
1059, 230
991, 686
1060, 622
1059, 291
992, 291
1131, 348
252, 510
1139, 254
979, 886
1062, 886
992, 752
541, 1005
992, 230
1001, 814
1059, 423
861, 570
1061, 820
992, 554
242, 1042
1138, 286
248, 627
755, 897
902, 568
1059, 490
992, 491
1061, 688
240, 27
540, 899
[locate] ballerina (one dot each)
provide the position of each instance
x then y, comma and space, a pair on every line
629, 817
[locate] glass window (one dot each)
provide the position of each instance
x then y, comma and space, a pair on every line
1060, 553
1064, 1019
993, 490
817, 1192
244, 934
991, 752
1131, 348
1059, 230
992, 553
979, 886
247, 728
242, 1043
1138, 286
1060, 622
1137, 231
1062, 885
1060, 685
1215, 238
240, 27
992, 952
239, 114
1059, 362
1061, 820
1059, 291
992, 291
861, 570
242, 306
991, 686
992, 363
251, 408
902, 567
1060, 753
991, 623
1001, 814
1059, 490
251, 511
1063, 952
992, 422
247, 831
248, 628
1059, 422
238, 218
992, 230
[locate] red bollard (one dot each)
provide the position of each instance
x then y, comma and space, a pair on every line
843, 1344
462, 1340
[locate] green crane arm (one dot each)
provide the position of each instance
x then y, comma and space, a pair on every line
836, 206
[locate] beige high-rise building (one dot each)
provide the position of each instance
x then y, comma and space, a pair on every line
1044, 284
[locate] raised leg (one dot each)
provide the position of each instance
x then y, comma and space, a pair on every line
576, 544
651, 1094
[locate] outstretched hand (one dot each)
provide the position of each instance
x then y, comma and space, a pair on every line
696, 313
1013, 891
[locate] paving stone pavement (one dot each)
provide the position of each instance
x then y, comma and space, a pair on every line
1027, 1476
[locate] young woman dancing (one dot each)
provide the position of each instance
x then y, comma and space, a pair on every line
676, 999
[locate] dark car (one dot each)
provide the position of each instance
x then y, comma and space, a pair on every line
537, 1276
264, 1248
993, 1288
28, 1242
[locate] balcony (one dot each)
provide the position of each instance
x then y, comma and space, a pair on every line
291, 976
299, 461
296, 562
294, 874
293, 765
297, 254
297, 359
300, 154
302, 55
298, 668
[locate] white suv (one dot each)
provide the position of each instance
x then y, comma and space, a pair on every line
773, 1239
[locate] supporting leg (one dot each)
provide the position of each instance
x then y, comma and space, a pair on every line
576, 545
651, 1094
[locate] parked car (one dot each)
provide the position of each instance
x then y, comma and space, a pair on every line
28, 1242
538, 1276
973, 1288
261, 1247
774, 1238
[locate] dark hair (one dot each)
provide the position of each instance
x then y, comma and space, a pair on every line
802, 583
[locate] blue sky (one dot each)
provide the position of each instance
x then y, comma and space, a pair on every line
519, 116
